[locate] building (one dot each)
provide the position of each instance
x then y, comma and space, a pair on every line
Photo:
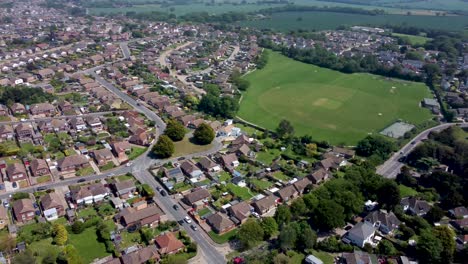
24, 210
102, 156
39, 167
16, 172
240, 212
311, 259
44, 109
190, 169
124, 189
72, 163
168, 244
175, 174
52, 206
414, 206
220, 224
142, 255
89, 194
131, 217
197, 197
459, 212
319, 176
209, 165
265, 205
361, 234
383, 221
288, 193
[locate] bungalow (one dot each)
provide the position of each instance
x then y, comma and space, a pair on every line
344, 152
459, 212
102, 156
142, 255
319, 175
361, 234
72, 163
18, 109
208, 165
460, 224
230, 161
302, 185
16, 172
220, 224
414, 206
241, 150
168, 243
44, 109
52, 206
197, 197
24, 210
240, 212
133, 217
265, 205
190, 169
124, 188
6, 133
39, 167
332, 163
89, 193
383, 221
288, 193
175, 174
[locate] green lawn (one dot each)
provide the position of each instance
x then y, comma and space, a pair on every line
42, 179
413, 39
185, 147
224, 176
260, 184
130, 239
324, 256
85, 171
136, 151
87, 245
125, 177
87, 212
204, 211
327, 104
241, 192
406, 191
43, 248
268, 156
221, 239
279, 175
108, 166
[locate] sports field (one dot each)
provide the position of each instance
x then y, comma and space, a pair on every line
329, 105
414, 40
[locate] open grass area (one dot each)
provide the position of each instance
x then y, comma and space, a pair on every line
185, 147
130, 239
221, 239
260, 184
44, 248
85, 171
329, 105
108, 166
414, 40
241, 192
279, 175
324, 256
136, 151
268, 156
87, 245
406, 191
224, 176
87, 212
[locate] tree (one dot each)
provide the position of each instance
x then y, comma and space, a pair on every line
69, 255
269, 226
311, 201
7, 243
298, 208
329, 214
25, 257
429, 248
307, 237
78, 227
311, 149
164, 148
435, 214
284, 129
375, 145
386, 247
60, 234
281, 259
175, 130
445, 236
287, 237
204, 134
283, 215
388, 194
250, 233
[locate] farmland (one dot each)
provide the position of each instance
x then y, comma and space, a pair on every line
340, 108
414, 40
313, 20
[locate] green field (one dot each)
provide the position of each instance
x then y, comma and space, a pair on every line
287, 21
414, 40
329, 105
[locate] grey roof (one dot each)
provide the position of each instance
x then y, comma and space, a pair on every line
362, 230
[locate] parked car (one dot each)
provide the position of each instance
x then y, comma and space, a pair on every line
187, 220
176, 207
81, 180
163, 193
194, 227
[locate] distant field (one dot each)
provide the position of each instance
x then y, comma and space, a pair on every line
414, 40
408, 4
329, 105
330, 20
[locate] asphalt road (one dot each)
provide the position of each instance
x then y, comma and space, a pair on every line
392, 166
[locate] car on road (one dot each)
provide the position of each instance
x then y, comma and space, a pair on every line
81, 180
413, 142
128, 164
158, 188
163, 193
42, 188
194, 227
187, 220
176, 207
181, 158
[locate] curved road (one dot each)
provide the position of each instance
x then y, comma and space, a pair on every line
392, 166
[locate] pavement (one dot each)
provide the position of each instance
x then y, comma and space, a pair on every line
392, 167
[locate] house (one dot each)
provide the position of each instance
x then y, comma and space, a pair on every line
44, 109
89, 193
24, 131
190, 169
460, 224
65, 106
39, 167
78, 124
4, 219
18, 109
142, 255
131, 217
264, 205
240, 211
140, 138
6, 133
332, 163
219, 223
4, 111
45, 73
319, 176
302, 185
52, 206
175, 174
459, 212
102, 156
344, 152
241, 150
124, 188
121, 150
16, 172
24, 210
383, 221
359, 257
197, 197
288, 193
168, 243
72, 163
208, 165
230, 161
414, 206
94, 122
361, 234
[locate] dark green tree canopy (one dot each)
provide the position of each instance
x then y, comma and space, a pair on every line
204, 134
175, 130
164, 148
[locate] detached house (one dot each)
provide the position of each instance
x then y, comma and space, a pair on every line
124, 189
24, 132
414, 206
16, 172
361, 234
44, 109
121, 150
209, 165
240, 212
52, 206
190, 169
265, 205
133, 217
175, 174
6, 133
102, 156
89, 193
288, 193
459, 212
319, 176
39, 167
220, 223
18, 109
383, 221
24, 210
168, 243
197, 197
72, 163
230, 161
